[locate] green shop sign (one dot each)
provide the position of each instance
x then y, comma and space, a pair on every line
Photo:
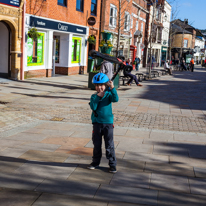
76, 49
35, 51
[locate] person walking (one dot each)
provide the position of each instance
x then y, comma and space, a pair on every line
192, 63
137, 61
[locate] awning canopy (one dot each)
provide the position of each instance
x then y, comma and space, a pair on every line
137, 33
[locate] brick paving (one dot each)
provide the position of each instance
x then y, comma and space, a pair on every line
160, 135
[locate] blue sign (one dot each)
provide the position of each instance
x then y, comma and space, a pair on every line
54, 25
10, 2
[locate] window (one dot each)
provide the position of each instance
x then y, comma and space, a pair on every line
94, 7
80, 5
185, 43
142, 27
113, 16
76, 49
131, 23
57, 38
62, 2
35, 51
136, 25
126, 21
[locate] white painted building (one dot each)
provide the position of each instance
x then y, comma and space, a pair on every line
71, 47
165, 32
199, 48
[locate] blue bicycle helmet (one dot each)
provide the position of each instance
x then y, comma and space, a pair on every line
100, 78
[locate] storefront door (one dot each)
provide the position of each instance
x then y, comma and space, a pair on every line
5, 50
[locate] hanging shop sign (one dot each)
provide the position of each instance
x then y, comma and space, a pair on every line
91, 21
54, 25
10, 2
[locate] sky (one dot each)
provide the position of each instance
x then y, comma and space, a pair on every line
193, 10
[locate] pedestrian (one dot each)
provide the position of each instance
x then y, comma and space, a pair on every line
128, 62
102, 120
137, 61
127, 73
167, 67
107, 68
192, 63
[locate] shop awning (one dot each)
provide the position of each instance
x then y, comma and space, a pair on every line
137, 33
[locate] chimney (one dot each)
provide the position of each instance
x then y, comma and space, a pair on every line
186, 21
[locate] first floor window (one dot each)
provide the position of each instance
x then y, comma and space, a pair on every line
76, 49
126, 21
113, 16
94, 7
35, 51
136, 25
142, 27
185, 43
80, 5
62, 2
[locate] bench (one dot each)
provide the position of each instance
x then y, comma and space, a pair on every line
140, 76
123, 78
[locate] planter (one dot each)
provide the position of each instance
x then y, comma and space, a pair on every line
108, 50
102, 49
90, 77
90, 65
116, 82
106, 36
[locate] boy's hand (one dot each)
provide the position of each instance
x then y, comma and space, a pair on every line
100, 94
110, 84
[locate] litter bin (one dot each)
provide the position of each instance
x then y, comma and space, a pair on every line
90, 65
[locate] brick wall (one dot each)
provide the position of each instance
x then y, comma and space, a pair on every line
38, 73
70, 70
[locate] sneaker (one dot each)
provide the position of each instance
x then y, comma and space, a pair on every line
93, 166
112, 169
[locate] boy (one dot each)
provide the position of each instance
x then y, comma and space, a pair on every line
102, 120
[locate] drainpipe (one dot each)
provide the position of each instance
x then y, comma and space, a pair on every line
23, 41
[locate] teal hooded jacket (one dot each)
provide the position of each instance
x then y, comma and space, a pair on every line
103, 107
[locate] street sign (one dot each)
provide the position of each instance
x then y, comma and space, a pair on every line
142, 46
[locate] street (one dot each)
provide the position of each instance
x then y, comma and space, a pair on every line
159, 135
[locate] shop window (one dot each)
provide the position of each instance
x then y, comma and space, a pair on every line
62, 2
94, 7
76, 49
80, 5
35, 51
57, 38
113, 16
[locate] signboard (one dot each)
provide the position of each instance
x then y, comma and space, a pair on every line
35, 51
54, 25
188, 58
10, 2
91, 21
142, 46
76, 49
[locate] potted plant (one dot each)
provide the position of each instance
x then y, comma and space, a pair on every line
106, 35
105, 46
92, 39
33, 33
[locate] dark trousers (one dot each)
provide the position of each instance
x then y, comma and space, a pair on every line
105, 130
192, 67
132, 77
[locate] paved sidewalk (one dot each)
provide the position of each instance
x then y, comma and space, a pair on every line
160, 135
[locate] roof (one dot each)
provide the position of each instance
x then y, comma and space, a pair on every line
179, 30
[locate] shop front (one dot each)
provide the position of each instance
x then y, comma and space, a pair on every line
70, 53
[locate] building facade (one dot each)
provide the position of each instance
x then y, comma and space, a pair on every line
66, 22
11, 38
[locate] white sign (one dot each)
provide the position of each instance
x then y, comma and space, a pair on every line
142, 46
